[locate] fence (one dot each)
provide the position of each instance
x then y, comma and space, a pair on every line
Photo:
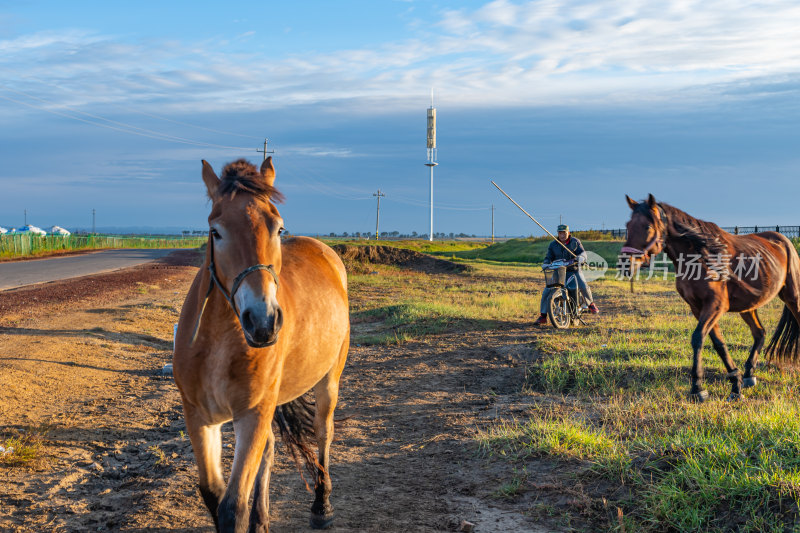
22, 245
793, 232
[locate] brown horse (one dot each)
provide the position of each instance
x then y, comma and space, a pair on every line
717, 272
264, 322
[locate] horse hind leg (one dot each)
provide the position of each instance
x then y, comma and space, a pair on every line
733, 375
326, 394
759, 334
784, 346
259, 514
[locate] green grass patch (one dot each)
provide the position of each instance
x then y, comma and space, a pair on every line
548, 436
22, 448
736, 468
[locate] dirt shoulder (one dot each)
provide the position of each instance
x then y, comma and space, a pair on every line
80, 365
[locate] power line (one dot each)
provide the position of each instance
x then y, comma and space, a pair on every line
212, 130
125, 128
140, 112
410, 201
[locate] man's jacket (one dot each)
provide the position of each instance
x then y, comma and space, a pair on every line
557, 252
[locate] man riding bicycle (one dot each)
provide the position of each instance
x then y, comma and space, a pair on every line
556, 252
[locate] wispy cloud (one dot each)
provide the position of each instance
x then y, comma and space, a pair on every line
547, 52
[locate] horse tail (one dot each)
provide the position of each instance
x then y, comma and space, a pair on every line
295, 421
784, 346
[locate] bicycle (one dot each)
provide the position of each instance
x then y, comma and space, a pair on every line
566, 304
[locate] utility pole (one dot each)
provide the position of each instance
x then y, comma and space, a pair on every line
560, 219
93, 221
378, 194
492, 223
265, 151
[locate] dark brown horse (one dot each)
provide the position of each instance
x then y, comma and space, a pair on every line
264, 322
718, 273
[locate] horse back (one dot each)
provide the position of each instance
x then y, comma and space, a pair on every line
316, 314
774, 253
299, 251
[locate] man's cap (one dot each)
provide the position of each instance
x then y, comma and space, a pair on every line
563, 227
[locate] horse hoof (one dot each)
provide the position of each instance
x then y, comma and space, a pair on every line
699, 397
734, 397
321, 521
749, 382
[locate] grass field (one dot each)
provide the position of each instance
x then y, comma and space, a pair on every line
426, 247
18, 246
608, 400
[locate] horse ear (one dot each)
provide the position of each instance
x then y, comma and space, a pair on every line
651, 201
210, 179
631, 202
268, 171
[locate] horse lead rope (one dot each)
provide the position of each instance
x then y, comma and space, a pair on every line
236, 283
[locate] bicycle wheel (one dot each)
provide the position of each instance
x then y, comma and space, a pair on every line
558, 310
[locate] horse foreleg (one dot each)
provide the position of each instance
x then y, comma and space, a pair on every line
252, 429
259, 514
759, 335
326, 394
734, 376
706, 322
207, 446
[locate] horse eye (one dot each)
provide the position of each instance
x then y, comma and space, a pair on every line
281, 231
215, 233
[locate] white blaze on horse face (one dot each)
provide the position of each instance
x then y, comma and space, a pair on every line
248, 298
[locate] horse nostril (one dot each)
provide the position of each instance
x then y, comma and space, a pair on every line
278, 319
247, 320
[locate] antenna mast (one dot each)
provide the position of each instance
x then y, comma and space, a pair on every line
432, 153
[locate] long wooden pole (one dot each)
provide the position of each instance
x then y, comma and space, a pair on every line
529, 216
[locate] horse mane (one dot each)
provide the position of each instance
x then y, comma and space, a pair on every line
704, 237
241, 175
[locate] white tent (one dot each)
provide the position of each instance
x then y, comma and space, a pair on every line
31, 229
58, 230
3, 230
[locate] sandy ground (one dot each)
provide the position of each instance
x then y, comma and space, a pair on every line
80, 365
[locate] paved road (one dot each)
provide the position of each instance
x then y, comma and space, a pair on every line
20, 273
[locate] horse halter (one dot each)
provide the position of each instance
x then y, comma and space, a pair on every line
212, 270
657, 239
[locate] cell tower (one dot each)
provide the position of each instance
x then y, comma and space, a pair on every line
431, 152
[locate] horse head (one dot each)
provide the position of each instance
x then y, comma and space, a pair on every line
647, 230
245, 246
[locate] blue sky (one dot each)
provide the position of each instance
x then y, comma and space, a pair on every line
569, 105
